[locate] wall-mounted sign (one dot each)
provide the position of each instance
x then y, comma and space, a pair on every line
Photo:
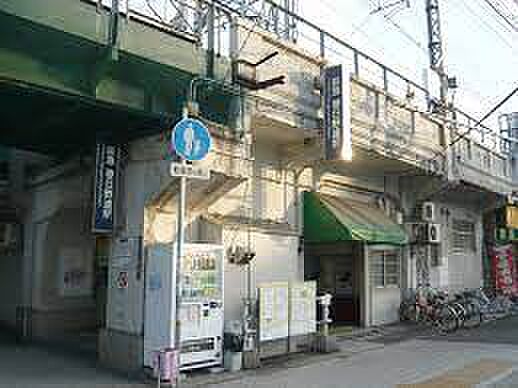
106, 175
337, 114
512, 217
189, 171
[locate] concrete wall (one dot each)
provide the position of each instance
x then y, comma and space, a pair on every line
60, 241
299, 67
393, 127
10, 287
384, 305
270, 200
14, 263
276, 260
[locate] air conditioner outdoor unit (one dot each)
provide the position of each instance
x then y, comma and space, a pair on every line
429, 212
425, 232
6, 234
433, 233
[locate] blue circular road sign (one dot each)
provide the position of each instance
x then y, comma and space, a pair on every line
191, 139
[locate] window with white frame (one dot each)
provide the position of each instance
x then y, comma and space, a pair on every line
463, 237
385, 268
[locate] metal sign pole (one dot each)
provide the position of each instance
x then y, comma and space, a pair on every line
191, 141
180, 237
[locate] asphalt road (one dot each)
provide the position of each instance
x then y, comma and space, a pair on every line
503, 332
402, 355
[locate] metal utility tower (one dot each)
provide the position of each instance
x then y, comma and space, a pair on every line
194, 17
435, 47
269, 15
388, 7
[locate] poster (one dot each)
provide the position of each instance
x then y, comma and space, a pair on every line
75, 273
303, 308
201, 269
504, 271
273, 311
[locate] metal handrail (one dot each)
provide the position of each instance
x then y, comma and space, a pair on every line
324, 40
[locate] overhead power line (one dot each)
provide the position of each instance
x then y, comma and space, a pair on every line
502, 15
406, 34
480, 20
484, 118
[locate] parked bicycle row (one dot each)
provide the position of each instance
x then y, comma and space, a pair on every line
469, 308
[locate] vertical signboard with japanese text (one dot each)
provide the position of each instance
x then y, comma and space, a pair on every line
106, 175
337, 115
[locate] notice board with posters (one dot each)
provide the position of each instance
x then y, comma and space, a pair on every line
75, 273
125, 283
303, 309
273, 311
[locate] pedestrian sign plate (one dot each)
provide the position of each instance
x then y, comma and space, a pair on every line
189, 171
191, 139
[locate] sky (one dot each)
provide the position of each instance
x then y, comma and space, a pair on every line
480, 51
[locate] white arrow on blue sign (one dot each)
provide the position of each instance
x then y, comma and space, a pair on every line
191, 139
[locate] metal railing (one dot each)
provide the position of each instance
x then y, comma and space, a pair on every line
483, 159
208, 22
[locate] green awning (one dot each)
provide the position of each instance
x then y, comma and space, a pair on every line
330, 219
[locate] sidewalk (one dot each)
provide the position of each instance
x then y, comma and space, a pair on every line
32, 366
411, 362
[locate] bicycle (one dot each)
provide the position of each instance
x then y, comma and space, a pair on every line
430, 306
468, 308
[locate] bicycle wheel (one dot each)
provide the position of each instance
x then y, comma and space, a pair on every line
408, 312
446, 319
460, 311
475, 314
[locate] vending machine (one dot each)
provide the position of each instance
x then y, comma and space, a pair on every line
201, 311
